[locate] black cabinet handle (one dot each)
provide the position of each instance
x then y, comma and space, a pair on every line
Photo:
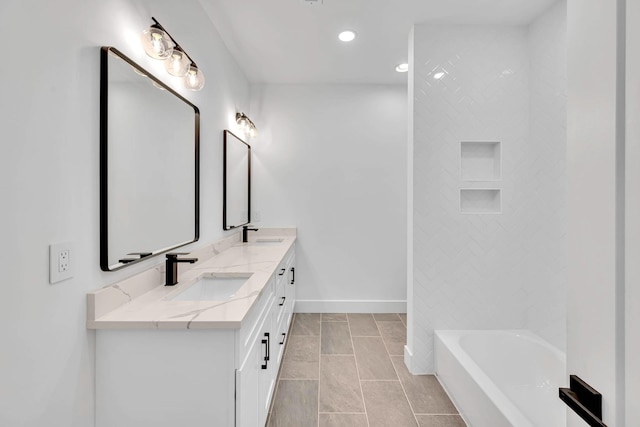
283, 337
282, 271
266, 357
584, 400
264, 365
293, 275
282, 303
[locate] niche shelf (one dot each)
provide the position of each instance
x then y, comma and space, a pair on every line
480, 201
480, 161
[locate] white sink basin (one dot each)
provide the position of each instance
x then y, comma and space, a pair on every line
213, 288
267, 242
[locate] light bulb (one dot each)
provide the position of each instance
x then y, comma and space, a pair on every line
252, 131
194, 79
177, 64
156, 43
347, 36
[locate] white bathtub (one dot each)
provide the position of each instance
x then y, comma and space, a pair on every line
502, 378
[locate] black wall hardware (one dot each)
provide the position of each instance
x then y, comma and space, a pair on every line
283, 338
293, 275
584, 400
282, 271
282, 302
266, 357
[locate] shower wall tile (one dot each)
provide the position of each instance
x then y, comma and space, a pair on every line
486, 271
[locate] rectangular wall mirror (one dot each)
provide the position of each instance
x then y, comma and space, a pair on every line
236, 207
149, 164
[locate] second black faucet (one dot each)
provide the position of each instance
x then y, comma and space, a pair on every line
246, 228
171, 274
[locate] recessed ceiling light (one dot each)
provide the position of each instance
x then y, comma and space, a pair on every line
347, 36
438, 75
402, 68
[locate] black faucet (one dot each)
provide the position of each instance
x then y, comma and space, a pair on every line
246, 228
171, 275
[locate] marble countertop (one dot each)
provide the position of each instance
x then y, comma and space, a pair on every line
143, 302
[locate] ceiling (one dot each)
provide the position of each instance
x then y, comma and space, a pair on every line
292, 41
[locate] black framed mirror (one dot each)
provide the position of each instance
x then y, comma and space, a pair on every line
149, 164
236, 194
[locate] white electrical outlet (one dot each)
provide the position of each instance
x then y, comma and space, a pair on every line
61, 262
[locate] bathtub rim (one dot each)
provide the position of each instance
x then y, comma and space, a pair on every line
450, 338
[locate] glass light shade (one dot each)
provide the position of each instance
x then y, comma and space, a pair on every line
156, 43
244, 124
252, 132
177, 64
194, 79
402, 68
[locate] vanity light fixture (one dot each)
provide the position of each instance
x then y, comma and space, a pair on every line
246, 125
347, 36
159, 44
402, 68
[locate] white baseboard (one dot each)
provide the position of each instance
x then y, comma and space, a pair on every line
350, 306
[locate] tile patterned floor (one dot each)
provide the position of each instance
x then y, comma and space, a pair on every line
347, 370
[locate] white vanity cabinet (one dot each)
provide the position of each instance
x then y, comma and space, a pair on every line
209, 377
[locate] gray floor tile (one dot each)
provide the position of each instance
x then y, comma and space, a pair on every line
336, 338
362, 325
302, 358
343, 420
373, 360
386, 317
306, 324
334, 317
403, 317
394, 335
339, 385
440, 421
296, 404
387, 405
336, 389
425, 393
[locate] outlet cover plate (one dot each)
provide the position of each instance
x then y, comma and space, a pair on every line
61, 261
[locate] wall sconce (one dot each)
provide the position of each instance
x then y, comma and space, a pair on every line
246, 125
159, 44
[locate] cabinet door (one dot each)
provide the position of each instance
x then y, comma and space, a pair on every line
268, 366
247, 379
290, 291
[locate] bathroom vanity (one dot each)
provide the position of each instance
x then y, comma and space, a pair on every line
204, 352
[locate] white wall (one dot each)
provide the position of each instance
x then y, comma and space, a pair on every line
331, 159
501, 270
49, 183
595, 311
632, 217
547, 269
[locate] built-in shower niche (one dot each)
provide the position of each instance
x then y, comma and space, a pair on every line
480, 161
480, 201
